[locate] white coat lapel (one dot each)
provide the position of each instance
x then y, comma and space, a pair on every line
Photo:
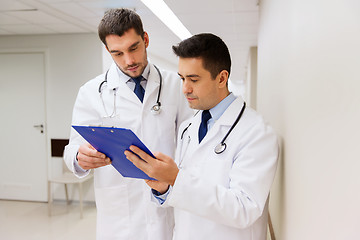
191, 141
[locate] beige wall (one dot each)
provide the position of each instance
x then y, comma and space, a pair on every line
251, 78
308, 87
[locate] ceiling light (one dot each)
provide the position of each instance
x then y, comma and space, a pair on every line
20, 10
164, 13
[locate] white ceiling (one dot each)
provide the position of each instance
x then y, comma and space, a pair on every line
235, 21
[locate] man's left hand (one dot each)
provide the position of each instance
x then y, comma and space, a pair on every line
163, 168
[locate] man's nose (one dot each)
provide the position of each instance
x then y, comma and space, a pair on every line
129, 59
186, 87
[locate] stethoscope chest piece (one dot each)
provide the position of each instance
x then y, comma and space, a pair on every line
155, 109
220, 148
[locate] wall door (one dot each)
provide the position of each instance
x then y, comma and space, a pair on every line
23, 165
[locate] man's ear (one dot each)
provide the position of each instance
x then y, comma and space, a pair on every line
146, 39
223, 78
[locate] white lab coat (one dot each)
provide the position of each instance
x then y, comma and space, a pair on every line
224, 196
124, 209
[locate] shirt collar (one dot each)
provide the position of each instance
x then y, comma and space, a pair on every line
125, 78
220, 108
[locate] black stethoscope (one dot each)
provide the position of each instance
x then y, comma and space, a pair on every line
220, 148
155, 109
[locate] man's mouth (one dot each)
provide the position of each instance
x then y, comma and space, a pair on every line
132, 68
190, 98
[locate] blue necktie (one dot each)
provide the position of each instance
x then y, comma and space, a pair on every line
139, 90
203, 125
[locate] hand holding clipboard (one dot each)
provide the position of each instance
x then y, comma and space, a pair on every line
113, 142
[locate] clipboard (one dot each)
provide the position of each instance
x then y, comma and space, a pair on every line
113, 142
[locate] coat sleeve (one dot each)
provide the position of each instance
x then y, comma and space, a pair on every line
242, 201
84, 113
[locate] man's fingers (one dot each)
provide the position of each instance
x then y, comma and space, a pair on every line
162, 168
162, 157
94, 159
89, 162
148, 181
90, 146
91, 165
138, 162
143, 155
90, 151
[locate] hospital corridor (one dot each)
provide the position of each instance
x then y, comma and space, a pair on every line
168, 119
30, 220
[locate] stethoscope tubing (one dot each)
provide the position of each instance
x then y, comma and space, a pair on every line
155, 109
159, 92
103, 82
221, 147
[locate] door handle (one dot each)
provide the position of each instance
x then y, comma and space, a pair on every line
41, 126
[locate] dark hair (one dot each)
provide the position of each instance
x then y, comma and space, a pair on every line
210, 48
118, 21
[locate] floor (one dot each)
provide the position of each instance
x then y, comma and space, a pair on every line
30, 221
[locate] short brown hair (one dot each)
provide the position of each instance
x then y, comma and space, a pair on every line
118, 21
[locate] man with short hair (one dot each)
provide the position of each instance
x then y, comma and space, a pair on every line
125, 96
226, 157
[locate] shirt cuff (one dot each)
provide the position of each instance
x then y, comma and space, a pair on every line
79, 171
161, 197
